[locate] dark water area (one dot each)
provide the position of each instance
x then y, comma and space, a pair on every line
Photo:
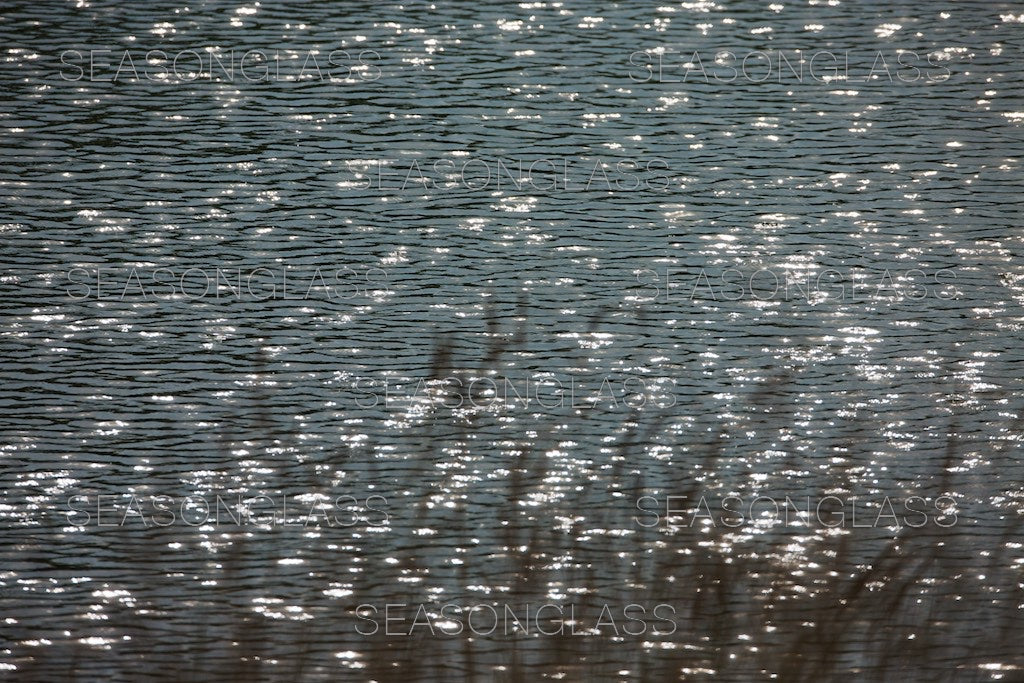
478, 310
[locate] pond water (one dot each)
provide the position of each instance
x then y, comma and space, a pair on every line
498, 285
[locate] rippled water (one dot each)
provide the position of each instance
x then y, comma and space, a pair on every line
371, 171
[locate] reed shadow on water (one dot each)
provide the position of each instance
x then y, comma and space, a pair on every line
595, 576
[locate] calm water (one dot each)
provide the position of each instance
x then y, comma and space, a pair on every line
210, 275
